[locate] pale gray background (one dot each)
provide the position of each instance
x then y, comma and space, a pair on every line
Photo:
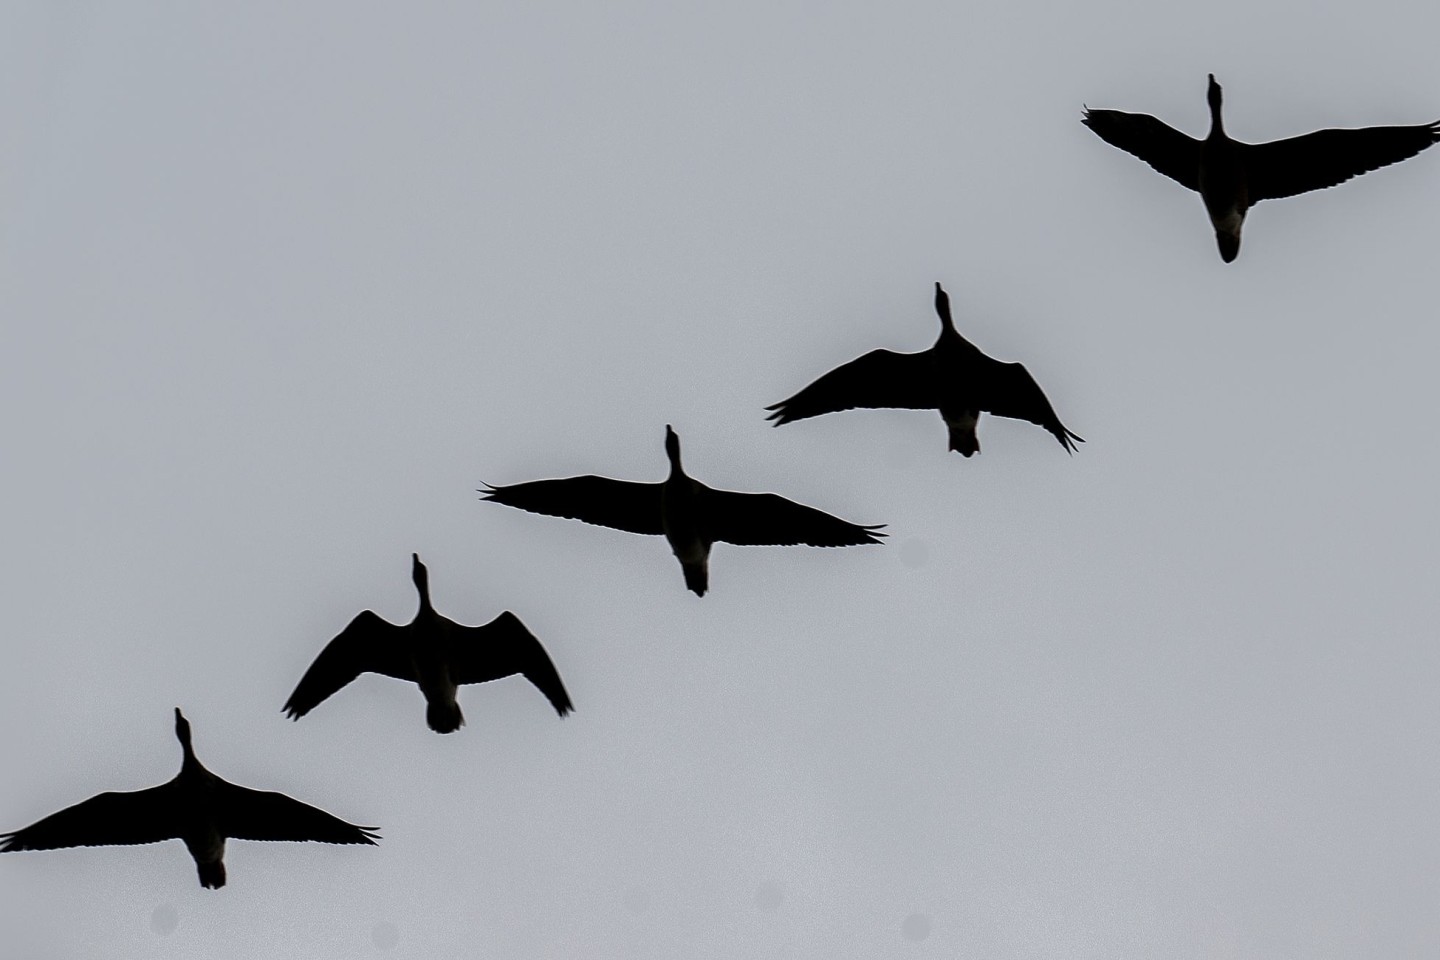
282, 286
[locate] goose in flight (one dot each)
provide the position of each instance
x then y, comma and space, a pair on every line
432, 651
687, 513
1231, 177
197, 807
953, 376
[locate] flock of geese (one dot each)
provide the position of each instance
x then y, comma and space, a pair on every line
953, 376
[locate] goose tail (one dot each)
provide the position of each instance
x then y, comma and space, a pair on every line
212, 875
444, 717
697, 577
963, 439
1229, 245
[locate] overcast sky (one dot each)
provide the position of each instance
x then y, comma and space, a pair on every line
284, 283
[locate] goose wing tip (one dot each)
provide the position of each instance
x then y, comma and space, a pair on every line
293, 709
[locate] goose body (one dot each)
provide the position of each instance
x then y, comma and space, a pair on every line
1232, 176
433, 652
953, 376
196, 807
681, 500
691, 516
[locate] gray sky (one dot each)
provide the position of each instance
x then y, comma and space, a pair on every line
282, 286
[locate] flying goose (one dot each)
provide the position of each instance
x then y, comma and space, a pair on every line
687, 513
1231, 177
197, 807
432, 651
953, 376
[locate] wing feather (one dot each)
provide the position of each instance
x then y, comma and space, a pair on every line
369, 644
130, 817
621, 504
1157, 143
501, 648
1284, 168
247, 814
879, 379
1012, 392
768, 519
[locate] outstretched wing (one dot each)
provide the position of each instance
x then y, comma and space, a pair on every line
621, 504
1158, 144
1283, 168
1010, 391
879, 379
136, 816
247, 814
767, 519
501, 648
369, 644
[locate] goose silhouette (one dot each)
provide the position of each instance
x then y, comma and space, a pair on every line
953, 377
197, 807
686, 512
1231, 176
432, 651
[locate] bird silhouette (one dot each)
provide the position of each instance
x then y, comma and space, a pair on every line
197, 807
686, 512
1231, 176
953, 377
432, 651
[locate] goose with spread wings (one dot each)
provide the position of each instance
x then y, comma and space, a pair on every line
197, 807
433, 652
953, 377
686, 512
1231, 176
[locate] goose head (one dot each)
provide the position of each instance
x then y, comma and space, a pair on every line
421, 578
1212, 97
182, 733
672, 448
942, 307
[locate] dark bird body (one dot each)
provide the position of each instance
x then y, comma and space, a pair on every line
197, 807
953, 377
688, 514
1231, 176
433, 652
